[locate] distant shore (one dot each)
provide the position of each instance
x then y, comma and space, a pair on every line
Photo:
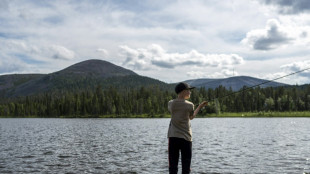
213, 115
262, 114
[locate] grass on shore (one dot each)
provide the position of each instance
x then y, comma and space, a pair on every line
261, 114
223, 114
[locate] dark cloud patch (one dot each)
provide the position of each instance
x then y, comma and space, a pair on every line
272, 37
290, 6
128, 59
163, 64
191, 62
304, 34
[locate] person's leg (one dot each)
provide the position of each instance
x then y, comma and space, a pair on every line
173, 152
186, 152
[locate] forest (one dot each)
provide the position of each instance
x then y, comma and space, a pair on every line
152, 102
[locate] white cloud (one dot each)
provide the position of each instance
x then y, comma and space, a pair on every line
289, 72
60, 52
156, 56
272, 37
17, 46
104, 52
195, 74
303, 66
12, 65
289, 32
275, 76
282, 77
136, 59
223, 73
23, 48
194, 38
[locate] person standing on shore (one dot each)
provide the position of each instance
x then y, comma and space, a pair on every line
180, 132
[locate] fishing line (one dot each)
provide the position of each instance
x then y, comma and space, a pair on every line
216, 102
268, 81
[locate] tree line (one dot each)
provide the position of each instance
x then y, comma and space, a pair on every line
152, 101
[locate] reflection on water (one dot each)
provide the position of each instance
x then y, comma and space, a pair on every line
220, 145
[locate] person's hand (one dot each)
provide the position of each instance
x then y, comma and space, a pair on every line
203, 104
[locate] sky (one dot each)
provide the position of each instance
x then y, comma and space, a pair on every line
168, 40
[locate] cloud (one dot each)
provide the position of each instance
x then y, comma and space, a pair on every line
60, 52
20, 51
11, 65
54, 34
103, 52
156, 56
290, 6
289, 68
272, 37
275, 76
195, 74
136, 59
4, 5
221, 74
299, 66
16, 47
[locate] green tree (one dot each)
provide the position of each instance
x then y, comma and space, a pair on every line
269, 104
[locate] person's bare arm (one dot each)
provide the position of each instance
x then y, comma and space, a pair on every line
203, 104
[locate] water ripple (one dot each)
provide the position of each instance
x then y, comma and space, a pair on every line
220, 145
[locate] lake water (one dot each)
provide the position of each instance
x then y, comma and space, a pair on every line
220, 145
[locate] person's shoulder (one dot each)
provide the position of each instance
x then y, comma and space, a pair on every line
188, 102
170, 102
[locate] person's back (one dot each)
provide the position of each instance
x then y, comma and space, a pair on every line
180, 126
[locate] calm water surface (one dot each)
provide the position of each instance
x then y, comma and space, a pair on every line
220, 145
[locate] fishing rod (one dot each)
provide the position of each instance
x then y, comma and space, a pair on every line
268, 81
216, 102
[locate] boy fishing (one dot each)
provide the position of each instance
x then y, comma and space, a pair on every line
180, 132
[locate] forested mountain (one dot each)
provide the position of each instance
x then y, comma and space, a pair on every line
79, 77
11, 81
96, 88
235, 83
95, 68
91, 73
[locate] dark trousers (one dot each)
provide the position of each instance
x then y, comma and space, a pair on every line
174, 147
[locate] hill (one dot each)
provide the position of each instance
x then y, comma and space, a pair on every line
235, 83
75, 92
84, 75
95, 68
92, 73
10, 81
